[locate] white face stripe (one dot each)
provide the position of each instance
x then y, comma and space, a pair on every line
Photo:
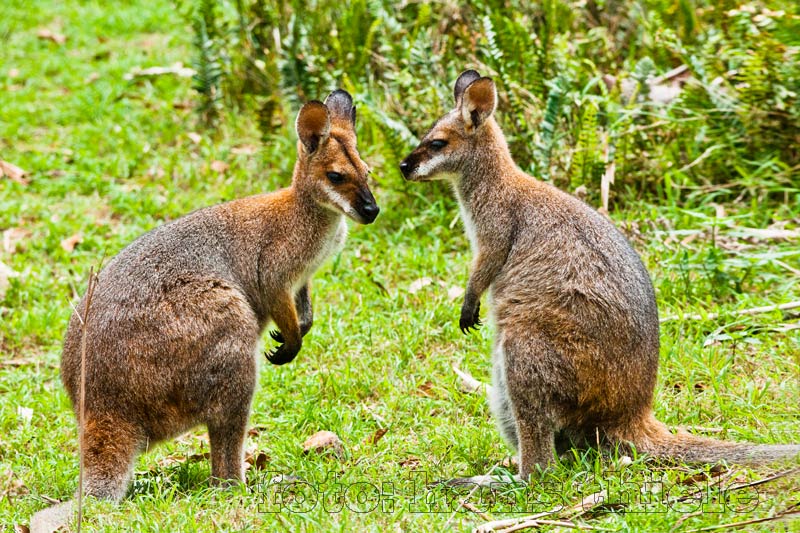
429, 166
339, 201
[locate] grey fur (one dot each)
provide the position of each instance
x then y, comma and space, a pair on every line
577, 348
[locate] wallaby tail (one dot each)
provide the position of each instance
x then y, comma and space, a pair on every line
654, 438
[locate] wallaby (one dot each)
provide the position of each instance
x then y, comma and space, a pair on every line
576, 348
176, 316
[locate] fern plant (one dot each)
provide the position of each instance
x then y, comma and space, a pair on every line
208, 67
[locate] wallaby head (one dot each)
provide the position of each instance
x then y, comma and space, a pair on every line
454, 142
329, 168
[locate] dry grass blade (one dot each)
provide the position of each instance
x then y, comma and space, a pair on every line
82, 397
703, 491
743, 312
13, 172
790, 472
469, 384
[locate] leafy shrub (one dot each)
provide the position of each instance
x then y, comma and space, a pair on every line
579, 81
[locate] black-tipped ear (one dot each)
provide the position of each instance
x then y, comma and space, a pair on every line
479, 102
340, 104
463, 81
313, 124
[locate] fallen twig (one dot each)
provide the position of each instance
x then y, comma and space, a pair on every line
560, 523
769, 479
787, 514
750, 311
577, 510
470, 507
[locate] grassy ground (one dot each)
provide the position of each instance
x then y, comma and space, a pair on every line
110, 158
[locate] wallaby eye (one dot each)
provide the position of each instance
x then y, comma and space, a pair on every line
335, 178
438, 144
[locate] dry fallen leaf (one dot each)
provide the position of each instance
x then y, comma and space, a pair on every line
219, 166
176, 68
454, 292
91, 78
378, 435
12, 237
70, 243
49, 35
410, 462
257, 460
21, 528
6, 273
19, 361
758, 234
322, 441
256, 430
416, 285
12, 172
25, 414
11, 485
196, 138
245, 149
13, 73
509, 462
426, 389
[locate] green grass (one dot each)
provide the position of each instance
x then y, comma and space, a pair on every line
110, 158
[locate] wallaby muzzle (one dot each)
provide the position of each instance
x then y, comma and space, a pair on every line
408, 166
366, 207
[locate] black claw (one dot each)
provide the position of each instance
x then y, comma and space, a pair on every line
281, 355
275, 334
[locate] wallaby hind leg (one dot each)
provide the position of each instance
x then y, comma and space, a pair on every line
110, 447
227, 414
537, 388
227, 449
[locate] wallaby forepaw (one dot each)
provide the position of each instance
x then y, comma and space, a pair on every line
276, 335
281, 355
470, 319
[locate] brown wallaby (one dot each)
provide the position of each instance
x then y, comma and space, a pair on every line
176, 316
576, 349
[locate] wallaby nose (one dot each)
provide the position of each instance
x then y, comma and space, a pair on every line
370, 212
405, 168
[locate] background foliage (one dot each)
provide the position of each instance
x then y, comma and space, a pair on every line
575, 80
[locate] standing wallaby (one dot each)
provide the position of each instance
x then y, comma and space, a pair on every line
576, 350
175, 318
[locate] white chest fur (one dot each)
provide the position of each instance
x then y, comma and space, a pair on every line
330, 244
466, 219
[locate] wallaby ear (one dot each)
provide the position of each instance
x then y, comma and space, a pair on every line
479, 102
313, 124
463, 81
340, 104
